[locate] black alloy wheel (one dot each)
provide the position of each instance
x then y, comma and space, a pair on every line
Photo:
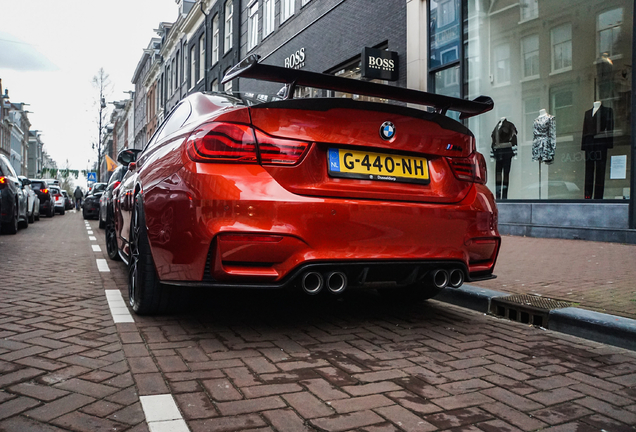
31, 216
111, 237
11, 227
145, 294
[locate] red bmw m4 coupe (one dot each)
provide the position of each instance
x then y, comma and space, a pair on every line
320, 194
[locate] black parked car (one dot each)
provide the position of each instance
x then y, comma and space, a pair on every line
42, 190
13, 199
107, 197
90, 207
68, 202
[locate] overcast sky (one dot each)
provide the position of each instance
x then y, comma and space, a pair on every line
50, 50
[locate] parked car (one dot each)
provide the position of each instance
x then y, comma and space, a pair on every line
13, 199
68, 202
47, 203
106, 198
90, 206
53, 182
33, 201
125, 157
315, 194
58, 200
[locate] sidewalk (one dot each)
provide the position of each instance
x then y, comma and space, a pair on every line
596, 276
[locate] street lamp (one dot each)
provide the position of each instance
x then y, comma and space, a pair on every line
102, 105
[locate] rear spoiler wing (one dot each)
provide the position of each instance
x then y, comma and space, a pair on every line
251, 68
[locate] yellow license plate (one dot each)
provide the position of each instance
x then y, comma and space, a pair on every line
377, 166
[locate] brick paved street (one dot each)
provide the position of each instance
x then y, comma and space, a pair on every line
593, 275
272, 362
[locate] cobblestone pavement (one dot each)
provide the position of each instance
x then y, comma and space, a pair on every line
273, 362
593, 275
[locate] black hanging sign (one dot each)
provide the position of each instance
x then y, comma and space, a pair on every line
380, 64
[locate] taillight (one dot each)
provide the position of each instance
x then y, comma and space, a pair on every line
279, 150
228, 142
44, 191
3, 181
471, 168
223, 142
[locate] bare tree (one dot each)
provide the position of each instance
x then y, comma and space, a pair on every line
101, 82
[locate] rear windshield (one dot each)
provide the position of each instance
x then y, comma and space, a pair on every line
36, 185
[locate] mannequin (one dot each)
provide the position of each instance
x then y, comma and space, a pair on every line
598, 127
503, 149
544, 138
543, 141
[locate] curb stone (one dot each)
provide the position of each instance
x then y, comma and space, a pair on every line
596, 326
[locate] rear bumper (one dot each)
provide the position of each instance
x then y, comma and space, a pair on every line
195, 223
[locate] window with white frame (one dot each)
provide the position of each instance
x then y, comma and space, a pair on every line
286, 9
252, 26
215, 85
229, 13
169, 76
608, 28
561, 38
173, 78
177, 69
215, 39
268, 17
529, 9
530, 56
502, 64
304, 2
193, 65
201, 57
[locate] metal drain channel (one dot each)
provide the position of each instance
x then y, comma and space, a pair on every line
526, 309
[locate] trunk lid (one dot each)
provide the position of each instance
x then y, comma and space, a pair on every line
411, 165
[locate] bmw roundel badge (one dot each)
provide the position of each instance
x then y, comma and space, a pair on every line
387, 130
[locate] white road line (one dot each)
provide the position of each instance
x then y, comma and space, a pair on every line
162, 414
96, 248
117, 306
89, 232
92, 238
102, 265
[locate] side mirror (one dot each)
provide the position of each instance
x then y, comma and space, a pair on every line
127, 156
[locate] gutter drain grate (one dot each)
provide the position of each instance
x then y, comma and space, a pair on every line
526, 309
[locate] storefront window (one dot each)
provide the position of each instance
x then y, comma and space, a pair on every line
445, 32
560, 74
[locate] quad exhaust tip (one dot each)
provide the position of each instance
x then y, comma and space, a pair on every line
312, 283
440, 278
456, 278
336, 282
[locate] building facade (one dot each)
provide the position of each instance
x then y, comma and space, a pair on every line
327, 36
36, 154
561, 135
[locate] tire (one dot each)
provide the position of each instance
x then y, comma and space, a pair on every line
85, 215
31, 217
11, 227
62, 211
146, 295
111, 237
102, 224
51, 211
